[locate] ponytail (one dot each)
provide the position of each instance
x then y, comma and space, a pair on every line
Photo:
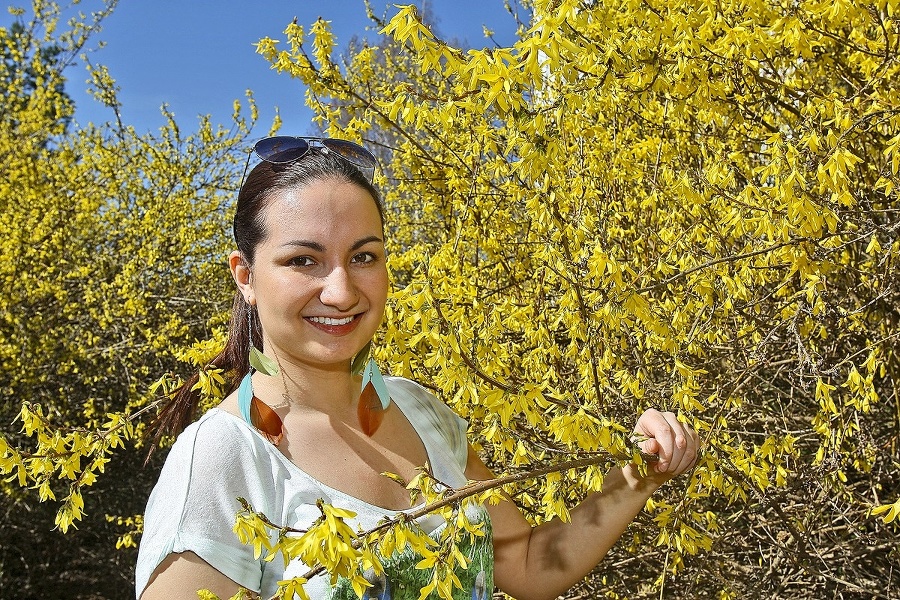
233, 360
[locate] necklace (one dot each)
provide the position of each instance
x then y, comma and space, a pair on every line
286, 399
285, 402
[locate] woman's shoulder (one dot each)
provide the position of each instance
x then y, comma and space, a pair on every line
407, 385
218, 443
432, 419
413, 395
413, 389
216, 427
215, 460
192, 507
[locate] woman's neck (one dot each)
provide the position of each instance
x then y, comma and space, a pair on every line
330, 391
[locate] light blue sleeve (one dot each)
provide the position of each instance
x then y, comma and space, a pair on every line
193, 506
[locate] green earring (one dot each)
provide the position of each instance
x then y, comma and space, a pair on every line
258, 360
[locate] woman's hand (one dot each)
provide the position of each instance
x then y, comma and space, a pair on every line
663, 435
544, 561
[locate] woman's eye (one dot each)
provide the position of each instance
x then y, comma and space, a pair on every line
364, 257
301, 261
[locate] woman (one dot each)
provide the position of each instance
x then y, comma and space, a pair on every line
311, 290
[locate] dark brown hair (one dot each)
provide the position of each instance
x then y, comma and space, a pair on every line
262, 184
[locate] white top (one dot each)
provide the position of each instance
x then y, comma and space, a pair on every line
220, 458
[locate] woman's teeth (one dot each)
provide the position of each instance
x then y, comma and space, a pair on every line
330, 321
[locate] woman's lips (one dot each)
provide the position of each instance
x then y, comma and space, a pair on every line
335, 326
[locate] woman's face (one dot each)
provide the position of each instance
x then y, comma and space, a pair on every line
319, 279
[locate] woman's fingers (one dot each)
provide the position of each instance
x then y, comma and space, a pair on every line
675, 443
684, 452
685, 456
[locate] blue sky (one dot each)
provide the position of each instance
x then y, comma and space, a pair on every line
198, 56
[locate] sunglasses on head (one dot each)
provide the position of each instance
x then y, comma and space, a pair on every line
283, 149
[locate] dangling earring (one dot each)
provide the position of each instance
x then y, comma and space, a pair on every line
375, 398
257, 413
258, 360
254, 411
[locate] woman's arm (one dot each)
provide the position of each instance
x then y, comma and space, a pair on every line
537, 563
180, 576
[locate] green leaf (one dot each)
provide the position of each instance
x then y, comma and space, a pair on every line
359, 361
262, 363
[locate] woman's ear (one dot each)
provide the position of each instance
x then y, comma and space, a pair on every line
243, 277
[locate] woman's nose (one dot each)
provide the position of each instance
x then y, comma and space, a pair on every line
339, 291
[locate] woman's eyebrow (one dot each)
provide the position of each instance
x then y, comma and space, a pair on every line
360, 243
307, 244
320, 248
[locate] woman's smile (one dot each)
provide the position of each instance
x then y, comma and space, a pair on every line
333, 325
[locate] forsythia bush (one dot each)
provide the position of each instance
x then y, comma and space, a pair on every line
687, 205
684, 205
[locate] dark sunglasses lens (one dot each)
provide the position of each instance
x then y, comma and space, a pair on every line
354, 153
281, 149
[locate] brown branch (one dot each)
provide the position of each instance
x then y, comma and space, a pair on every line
466, 359
714, 262
467, 491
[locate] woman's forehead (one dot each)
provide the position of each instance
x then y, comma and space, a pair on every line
323, 207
